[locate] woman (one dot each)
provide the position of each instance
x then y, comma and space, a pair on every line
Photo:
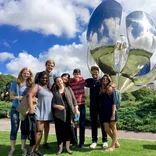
18, 89
66, 77
64, 104
43, 112
109, 111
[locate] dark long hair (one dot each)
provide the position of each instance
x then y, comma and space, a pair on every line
108, 87
66, 74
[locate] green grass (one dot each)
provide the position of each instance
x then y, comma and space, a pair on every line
128, 148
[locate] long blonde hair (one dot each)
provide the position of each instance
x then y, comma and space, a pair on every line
30, 79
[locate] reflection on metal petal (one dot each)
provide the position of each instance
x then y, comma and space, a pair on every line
140, 33
126, 58
102, 34
91, 62
145, 79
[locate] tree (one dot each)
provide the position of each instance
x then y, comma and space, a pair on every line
5, 81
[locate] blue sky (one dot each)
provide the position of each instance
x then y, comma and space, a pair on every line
33, 31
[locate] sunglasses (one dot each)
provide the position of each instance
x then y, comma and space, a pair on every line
105, 79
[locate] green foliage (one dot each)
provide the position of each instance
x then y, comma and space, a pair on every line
4, 109
5, 79
142, 93
5, 85
138, 117
128, 97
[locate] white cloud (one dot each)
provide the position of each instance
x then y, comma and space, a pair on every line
24, 60
46, 16
6, 44
14, 41
58, 17
66, 57
6, 56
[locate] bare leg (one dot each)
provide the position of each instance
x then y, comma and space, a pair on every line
108, 129
114, 130
60, 148
23, 142
68, 147
13, 142
46, 131
40, 127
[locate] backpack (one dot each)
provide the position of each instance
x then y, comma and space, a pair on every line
117, 98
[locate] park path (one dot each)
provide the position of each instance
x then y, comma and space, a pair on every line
5, 126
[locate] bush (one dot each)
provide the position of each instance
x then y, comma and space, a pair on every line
4, 109
128, 97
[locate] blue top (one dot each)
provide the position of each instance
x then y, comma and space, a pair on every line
22, 91
43, 110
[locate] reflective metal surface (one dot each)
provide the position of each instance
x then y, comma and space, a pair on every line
125, 57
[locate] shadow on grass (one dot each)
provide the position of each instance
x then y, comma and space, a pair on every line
150, 147
4, 149
87, 148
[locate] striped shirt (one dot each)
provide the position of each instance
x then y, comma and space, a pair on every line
78, 89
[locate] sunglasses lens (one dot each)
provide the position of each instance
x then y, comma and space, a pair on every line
105, 79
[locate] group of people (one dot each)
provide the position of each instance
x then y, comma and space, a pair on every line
61, 99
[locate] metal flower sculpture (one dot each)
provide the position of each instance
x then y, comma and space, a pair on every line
122, 46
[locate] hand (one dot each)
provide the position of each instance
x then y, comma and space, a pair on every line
20, 98
31, 111
60, 107
77, 112
112, 117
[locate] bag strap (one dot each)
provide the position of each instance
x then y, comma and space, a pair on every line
18, 93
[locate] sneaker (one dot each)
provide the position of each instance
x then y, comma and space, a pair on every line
105, 145
82, 146
38, 153
93, 145
24, 150
11, 152
46, 146
74, 145
30, 154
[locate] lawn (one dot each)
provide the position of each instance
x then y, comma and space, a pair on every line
128, 148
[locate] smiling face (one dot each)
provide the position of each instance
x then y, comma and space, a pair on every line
95, 74
43, 79
49, 67
59, 82
25, 74
65, 79
105, 80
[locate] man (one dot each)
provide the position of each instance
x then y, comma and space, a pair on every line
50, 64
77, 84
94, 85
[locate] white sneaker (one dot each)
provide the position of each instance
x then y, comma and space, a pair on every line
105, 145
24, 150
93, 145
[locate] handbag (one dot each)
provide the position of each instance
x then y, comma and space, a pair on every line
23, 107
